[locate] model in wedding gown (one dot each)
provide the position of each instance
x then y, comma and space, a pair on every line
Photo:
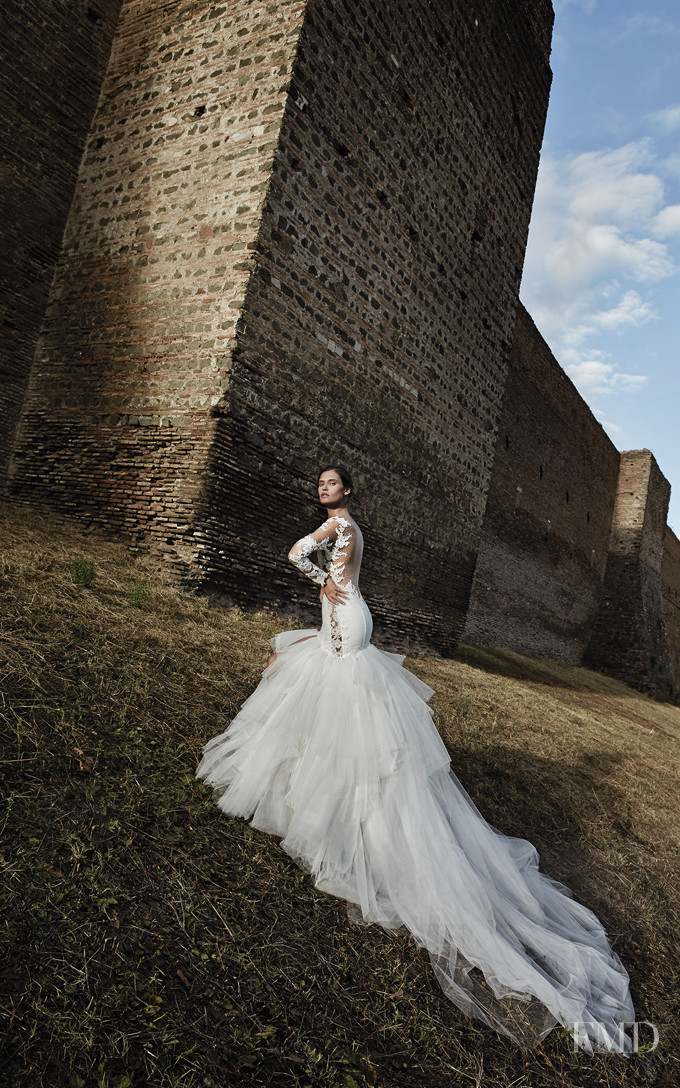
336, 751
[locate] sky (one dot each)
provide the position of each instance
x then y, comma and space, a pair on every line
602, 270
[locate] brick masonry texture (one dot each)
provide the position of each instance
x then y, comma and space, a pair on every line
543, 554
296, 238
377, 320
297, 235
670, 583
53, 60
630, 637
139, 330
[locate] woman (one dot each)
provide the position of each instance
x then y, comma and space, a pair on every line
336, 751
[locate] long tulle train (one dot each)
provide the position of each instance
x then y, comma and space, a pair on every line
340, 757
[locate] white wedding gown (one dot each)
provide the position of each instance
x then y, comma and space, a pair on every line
336, 751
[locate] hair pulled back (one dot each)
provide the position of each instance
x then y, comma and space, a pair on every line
342, 473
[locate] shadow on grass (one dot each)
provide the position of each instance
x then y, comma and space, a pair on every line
532, 669
155, 939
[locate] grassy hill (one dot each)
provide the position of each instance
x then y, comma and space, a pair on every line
150, 940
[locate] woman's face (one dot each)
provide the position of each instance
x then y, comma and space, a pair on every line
331, 489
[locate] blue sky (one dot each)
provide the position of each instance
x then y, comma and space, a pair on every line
602, 271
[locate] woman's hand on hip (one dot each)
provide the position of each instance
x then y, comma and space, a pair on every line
335, 594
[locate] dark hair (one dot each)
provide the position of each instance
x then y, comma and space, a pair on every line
342, 473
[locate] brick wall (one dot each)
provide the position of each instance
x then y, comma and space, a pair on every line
157, 252
544, 546
377, 320
670, 583
53, 60
297, 236
630, 637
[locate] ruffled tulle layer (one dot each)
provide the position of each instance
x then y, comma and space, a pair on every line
340, 757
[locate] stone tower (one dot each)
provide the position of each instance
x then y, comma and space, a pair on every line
630, 638
296, 237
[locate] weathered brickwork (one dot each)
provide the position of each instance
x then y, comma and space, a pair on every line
297, 236
543, 553
157, 253
54, 57
670, 582
378, 318
630, 637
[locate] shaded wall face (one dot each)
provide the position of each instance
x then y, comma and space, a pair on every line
54, 59
630, 637
377, 322
670, 583
157, 253
543, 552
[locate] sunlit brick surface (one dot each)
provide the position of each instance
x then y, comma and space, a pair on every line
297, 235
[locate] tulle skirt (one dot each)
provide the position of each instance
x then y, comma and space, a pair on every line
338, 754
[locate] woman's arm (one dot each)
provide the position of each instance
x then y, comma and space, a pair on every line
303, 547
325, 534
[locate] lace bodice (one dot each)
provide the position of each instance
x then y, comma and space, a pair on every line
339, 547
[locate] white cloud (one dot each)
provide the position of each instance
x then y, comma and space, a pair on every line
667, 221
666, 120
610, 186
593, 377
596, 230
631, 310
600, 239
613, 428
586, 251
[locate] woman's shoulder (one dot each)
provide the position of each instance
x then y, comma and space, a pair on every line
337, 521
344, 530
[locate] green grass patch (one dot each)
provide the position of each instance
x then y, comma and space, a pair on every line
82, 571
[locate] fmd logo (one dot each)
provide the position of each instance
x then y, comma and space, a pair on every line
585, 1031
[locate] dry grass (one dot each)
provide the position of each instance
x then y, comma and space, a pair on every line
150, 940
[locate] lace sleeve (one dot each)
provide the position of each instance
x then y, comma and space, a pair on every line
303, 547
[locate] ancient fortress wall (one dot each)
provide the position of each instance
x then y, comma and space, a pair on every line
545, 541
576, 561
53, 60
377, 320
630, 637
670, 582
297, 235
140, 325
